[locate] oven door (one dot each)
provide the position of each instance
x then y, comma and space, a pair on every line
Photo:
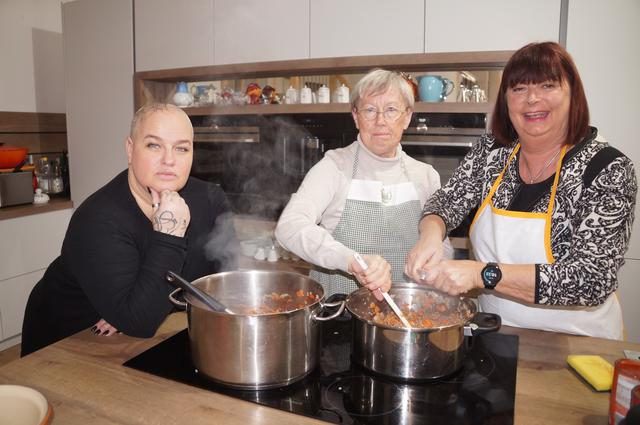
444, 149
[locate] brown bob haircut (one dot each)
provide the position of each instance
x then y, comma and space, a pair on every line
536, 63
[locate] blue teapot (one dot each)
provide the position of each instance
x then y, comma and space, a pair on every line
434, 88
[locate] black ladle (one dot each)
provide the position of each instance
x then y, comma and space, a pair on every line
200, 295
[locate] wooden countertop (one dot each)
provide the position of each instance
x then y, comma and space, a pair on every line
16, 211
84, 380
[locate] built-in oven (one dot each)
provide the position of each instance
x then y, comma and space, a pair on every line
259, 161
442, 140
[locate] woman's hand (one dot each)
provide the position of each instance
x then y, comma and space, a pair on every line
376, 276
170, 213
454, 277
104, 328
429, 250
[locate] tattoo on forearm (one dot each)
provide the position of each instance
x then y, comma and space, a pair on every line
166, 222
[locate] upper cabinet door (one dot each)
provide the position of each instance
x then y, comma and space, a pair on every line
98, 68
366, 27
467, 25
173, 33
259, 30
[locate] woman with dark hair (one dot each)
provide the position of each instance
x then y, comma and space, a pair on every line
555, 207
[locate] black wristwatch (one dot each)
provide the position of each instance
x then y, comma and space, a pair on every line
491, 275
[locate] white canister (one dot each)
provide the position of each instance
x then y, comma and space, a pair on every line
291, 96
323, 94
305, 95
343, 94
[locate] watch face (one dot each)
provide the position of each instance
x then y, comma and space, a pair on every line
491, 275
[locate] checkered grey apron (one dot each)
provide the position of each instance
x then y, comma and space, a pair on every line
367, 227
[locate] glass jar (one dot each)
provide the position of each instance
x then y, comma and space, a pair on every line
626, 378
49, 175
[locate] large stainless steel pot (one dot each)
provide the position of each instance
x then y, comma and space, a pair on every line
416, 353
250, 351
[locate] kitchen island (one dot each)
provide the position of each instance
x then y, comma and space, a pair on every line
83, 378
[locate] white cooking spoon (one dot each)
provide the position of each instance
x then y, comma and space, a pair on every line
386, 296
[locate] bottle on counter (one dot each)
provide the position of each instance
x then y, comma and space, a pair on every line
43, 174
626, 377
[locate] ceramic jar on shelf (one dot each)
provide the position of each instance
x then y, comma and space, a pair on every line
182, 97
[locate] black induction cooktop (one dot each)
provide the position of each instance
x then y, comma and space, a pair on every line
339, 391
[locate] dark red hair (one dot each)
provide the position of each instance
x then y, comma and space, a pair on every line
536, 63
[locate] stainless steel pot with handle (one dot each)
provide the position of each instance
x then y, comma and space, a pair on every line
420, 352
248, 350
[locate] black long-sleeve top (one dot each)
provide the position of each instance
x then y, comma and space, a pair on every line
113, 264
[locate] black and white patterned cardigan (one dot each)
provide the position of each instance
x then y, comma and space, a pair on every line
591, 221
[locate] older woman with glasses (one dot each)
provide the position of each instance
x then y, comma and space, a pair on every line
365, 198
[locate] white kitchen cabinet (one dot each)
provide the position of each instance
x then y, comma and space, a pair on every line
31, 71
173, 33
31, 242
467, 25
28, 245
14, 294
628, 295
366, 27
98, 63
258, 30
603, 39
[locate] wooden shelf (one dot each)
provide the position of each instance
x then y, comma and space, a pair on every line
353, 64
160, 85
330, 108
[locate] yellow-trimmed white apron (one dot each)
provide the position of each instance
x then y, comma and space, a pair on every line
516, 237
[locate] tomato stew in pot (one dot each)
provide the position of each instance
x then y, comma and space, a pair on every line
424, 310
282, 302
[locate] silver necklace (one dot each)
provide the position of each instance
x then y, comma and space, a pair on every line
533, 178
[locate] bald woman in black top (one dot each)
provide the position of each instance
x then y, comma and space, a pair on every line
122, 240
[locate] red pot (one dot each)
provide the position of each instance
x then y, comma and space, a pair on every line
10, 156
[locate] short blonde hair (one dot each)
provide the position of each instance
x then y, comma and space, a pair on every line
152, 108
378, 81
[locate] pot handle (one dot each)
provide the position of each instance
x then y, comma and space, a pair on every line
174, 300
315, 316
483, 323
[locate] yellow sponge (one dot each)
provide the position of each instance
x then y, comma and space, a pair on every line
594, 369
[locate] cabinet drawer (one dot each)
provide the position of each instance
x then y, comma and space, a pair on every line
30, 243
14, 294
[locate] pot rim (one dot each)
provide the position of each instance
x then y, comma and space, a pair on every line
188, 297
358, 292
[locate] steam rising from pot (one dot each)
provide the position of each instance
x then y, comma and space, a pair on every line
222, 245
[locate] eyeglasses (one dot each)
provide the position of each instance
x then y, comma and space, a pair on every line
390, 113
